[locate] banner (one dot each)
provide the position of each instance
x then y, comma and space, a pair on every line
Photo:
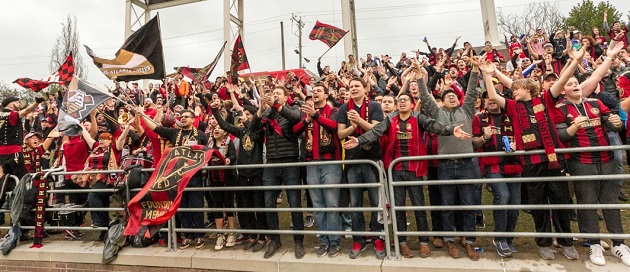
327, 34
62, 76
201, 74
140, 57
239, 58
80, 99
158, 201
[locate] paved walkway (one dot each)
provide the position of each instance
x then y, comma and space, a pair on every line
235, 259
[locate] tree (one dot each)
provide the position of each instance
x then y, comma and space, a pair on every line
584, 16
67, 42
25, 95
535, 15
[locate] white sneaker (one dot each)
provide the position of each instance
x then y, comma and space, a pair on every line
605, 245
231, 240
622, 252
220, 242
597, 255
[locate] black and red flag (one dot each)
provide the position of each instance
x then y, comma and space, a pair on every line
239, 58
199, 75
62, 76
160, 197
327, 34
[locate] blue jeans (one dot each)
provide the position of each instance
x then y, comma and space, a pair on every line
478, 187
99, 200
192, 220
458, 169
363, 173
615, 140
325, 198
505, 193
417, 199
286, 176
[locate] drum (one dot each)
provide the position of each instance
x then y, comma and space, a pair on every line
128, 162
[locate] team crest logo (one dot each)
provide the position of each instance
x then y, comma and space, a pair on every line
78, 101
178, 161
595, 111
408, 127
248, 144
326, 138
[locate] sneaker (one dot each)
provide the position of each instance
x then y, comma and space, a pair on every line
622, 197
379, 249
502, 248
405, 251
210, 224
185, 244
333, 251
249, 245
597, 255
241, 239
299, 249
259, 245
546, 253
347, 236
512, 248
231, 240
322, 251
309, 221
622, 252
570, 252
438, 243
452, 250
479, 221
220, 242
199, 243
425, 251
472, 253
357, 249
161, 242
271, 250
604, 245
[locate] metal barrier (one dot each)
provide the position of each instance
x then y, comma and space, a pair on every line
171, 243
395, 208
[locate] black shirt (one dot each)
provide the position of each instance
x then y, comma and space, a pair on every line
171, 135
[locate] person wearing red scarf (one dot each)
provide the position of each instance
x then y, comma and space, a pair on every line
533, 117
355, 118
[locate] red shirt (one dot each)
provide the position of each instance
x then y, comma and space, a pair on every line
75, 153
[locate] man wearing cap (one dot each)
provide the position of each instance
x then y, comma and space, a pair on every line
453, 114
33, 150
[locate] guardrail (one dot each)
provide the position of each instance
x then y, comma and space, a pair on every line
395, 208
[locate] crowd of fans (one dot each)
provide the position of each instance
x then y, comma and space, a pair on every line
549, 90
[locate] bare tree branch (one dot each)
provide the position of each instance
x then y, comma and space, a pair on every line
68, 42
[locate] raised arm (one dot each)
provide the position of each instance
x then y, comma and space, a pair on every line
558, 86
488, 69
589, 85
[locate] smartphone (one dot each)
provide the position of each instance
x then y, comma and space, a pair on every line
425, 39
576, 45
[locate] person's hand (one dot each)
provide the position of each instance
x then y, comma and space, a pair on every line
612, 52
459, 133
488, 131
475, 61
353, 116
130, 120
488, 68
216, 104
615, 120
351, 143
577, 55
580, 121
268, 100
513, 146
227, 161
308, 109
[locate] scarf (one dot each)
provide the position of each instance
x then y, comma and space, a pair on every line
529, 138
365, 114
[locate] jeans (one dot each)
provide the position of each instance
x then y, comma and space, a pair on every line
478, 187
286, 176
325, 198
99, 200
505, 193
417, 199
251, 199
615, 140
192, 220
363, 173
458, 169
435, 198
597, 192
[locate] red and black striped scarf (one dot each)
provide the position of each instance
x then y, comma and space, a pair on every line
529, 137
365, 114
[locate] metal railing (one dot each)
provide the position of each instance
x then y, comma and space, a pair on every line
395, 208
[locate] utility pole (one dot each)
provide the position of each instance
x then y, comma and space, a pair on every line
300, 25
282, 43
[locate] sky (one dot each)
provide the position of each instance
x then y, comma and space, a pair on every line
193, 33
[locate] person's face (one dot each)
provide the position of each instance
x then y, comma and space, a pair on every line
218, 133
350, 58
478, 102
461, 64
186, 119
526, 62
513, 39
87, 125
343, 94
491, 106
104, 142
403, 55
465, 58
522, 94
548, 50
14, 106
616, 25
488, 48
44, 123
388, 104
413, 89
278, 95
378, 99
439, 102
357, 91
319, 95
404, 104
369, 56
159, 101
572, 89
586, 43
32, 142
547, 83
623, 53
453, 72
595, 31
451, 101
100, 118
248, 115
150, 86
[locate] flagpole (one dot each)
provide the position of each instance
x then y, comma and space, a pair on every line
325, 52
333, 45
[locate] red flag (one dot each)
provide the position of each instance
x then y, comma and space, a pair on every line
62, 76
239, 58
160, 198
328, 34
